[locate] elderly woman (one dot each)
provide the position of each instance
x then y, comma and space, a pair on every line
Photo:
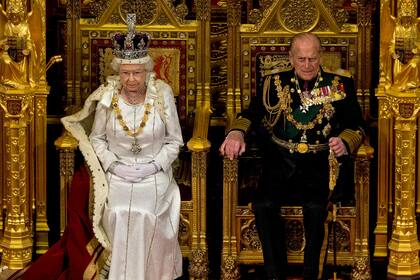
136, 136
129, 148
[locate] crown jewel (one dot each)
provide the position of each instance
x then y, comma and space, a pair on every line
131, 45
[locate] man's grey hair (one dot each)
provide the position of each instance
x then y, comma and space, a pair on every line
305, 36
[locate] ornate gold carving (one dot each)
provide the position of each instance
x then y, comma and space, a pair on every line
22, 47
249, 236
181, 11
340, 15
406, 109
384, 110
230, 168
233, 13
298, 16
145, 10
66, 144
361, 269
184, 232
198, 264
16, 242
342, 235
255, 16
41, 106
400, 47
14, 106
295, 235
96, 8
404, 246
230, 268
203, 10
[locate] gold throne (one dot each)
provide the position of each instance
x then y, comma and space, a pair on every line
263, 49
176, 53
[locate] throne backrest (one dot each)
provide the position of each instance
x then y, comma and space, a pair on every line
273, 59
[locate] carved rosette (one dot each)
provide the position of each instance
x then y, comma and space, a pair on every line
198, 264
298, 15
230, 268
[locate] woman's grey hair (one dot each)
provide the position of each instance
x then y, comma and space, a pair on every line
148, 65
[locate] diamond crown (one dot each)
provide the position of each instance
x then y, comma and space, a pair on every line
131, 45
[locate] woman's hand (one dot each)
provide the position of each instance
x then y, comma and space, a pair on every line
127, 172
146, 169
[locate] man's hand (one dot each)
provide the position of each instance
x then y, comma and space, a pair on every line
337, 146
234, 145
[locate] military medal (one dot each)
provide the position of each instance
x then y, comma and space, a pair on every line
302, 148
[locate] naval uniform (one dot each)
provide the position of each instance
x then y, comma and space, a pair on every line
293, 121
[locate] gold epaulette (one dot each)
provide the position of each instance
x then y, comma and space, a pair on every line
241, 124
353, 138
338, 71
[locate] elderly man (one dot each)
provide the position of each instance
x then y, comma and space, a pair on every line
298, 115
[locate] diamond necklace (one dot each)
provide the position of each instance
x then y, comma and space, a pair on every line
135, 147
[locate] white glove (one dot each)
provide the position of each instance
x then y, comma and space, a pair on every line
147, 169
127, 172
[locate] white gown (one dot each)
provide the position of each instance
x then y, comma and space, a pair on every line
139, 221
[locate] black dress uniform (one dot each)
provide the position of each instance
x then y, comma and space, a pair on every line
293, 121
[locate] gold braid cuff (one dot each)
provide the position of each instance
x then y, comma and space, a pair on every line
241, 124
353, 138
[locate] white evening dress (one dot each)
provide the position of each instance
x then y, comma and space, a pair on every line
138, 222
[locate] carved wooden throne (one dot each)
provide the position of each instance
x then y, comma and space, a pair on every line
263, 49
175, 48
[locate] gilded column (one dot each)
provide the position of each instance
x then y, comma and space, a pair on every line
230, 268
384, 179
66, 144
198, 268
361, 265
199, 145
404, 245
40, 176
74, 56
16, 242
233, 99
